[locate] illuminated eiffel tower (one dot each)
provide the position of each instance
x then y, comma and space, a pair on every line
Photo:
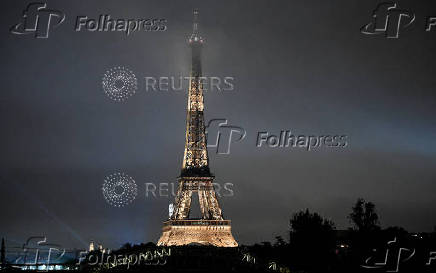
195, 176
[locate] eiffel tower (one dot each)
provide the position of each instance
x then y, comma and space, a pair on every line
211, 228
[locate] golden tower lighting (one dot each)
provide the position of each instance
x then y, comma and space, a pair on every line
211, 228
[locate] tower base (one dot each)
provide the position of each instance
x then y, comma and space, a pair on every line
203, 232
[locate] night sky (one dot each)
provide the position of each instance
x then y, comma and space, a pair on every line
302, 66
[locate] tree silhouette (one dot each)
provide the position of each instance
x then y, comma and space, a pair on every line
364, 217
2, 255
366, 235
279, 241
126, 246
312, 241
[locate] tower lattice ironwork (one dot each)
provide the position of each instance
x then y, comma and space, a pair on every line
211, 228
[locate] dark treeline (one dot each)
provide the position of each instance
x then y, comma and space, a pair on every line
314, 245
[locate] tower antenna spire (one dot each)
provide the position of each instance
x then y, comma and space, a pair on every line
195, 36
195, 22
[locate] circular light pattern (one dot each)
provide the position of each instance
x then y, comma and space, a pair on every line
119, 83
119, 189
